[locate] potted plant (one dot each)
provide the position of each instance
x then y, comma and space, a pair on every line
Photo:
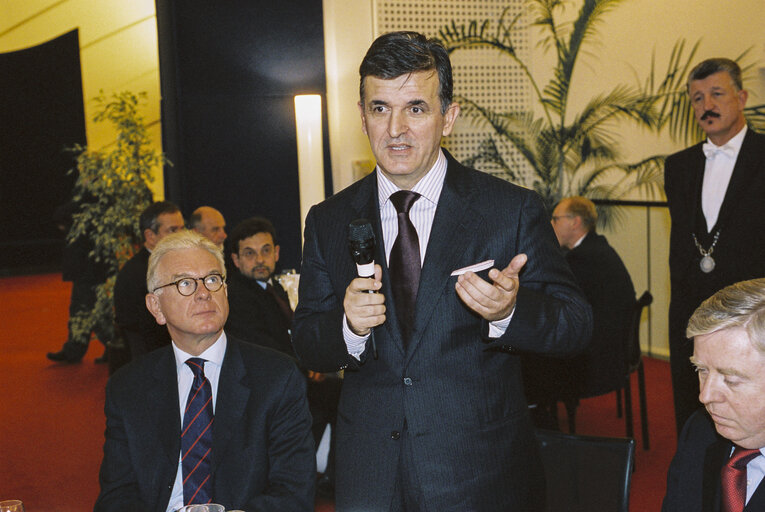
111, 191
576, 153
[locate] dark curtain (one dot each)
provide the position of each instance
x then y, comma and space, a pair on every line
229, 71
41, 114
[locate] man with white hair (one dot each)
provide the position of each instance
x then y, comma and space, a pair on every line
209, 418
719, 464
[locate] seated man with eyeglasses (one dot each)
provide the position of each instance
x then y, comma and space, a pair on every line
209, 418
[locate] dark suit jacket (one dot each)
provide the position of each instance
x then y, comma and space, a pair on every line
76, 264
255, 316
608, 288
263, 455
740, 250
141, 330
693, 480
457, 393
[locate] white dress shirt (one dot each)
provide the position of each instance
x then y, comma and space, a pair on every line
422, 213
214, 360
755, 471
717, 172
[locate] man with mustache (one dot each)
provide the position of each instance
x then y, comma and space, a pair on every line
715, 193
719, 462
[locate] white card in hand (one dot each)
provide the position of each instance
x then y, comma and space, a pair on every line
477, 267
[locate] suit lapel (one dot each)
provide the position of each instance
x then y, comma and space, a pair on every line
162, 402
454, 220
744, 171
366, 205
232, 400
717, 454
695, 181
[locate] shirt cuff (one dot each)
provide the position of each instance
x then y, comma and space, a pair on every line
498, 327
354, 343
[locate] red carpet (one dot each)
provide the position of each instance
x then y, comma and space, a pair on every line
51, 416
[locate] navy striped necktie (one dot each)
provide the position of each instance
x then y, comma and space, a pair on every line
196, 437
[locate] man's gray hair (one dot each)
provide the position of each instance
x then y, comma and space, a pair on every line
183, 239
583, 208
712, 66
740, 305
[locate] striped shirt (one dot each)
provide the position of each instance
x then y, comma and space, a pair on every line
423, 210
421, 214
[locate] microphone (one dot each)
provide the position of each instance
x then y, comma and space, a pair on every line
361, 242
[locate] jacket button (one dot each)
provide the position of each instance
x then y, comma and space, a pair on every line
407, 381
395, 435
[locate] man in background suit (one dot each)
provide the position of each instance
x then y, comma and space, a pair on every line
256, 449
260, 313
209, 222
139, 330
260, 309
434, 418
728, 332
85, 275
607, 285
715, 192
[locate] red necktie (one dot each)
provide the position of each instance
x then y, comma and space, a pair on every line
196, 437
733, 479
405, 263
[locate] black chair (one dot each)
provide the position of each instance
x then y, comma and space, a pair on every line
586, 473
635, 363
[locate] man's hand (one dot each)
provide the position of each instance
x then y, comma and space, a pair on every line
364, 310
496, 300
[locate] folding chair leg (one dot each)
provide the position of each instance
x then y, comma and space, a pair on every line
643, 410
571, 414
628, 408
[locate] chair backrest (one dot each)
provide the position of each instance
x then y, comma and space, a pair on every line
633, 336
586, 473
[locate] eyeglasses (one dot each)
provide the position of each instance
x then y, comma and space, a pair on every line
188, 285
556, 217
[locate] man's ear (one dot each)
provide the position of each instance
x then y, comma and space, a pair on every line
363, 118
235, 260
155, 308
276, 253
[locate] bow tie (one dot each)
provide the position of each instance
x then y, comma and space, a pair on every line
710, 150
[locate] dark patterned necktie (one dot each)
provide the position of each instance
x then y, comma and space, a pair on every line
733, 479
196, 437
405, 263
283, 306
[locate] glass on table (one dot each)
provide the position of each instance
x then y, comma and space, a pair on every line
11, 506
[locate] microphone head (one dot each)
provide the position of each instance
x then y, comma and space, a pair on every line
361, 241
360, 230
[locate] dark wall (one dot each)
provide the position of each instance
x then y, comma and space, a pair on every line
229, 71
41, 114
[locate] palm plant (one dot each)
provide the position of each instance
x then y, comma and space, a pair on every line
575, 153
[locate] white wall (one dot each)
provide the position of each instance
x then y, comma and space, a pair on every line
118, 51
627, 38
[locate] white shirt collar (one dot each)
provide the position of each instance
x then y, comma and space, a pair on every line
579, 242
214, 354
734, 143
428, 187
